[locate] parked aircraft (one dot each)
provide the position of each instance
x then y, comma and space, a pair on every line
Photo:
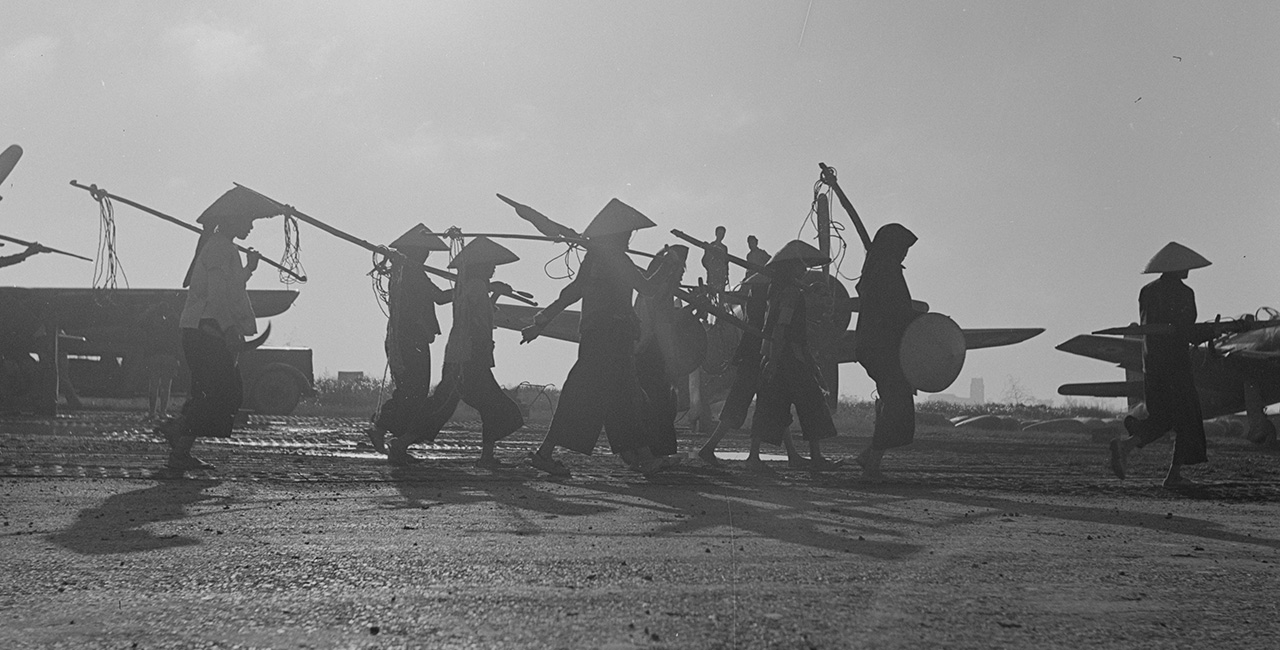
1237, 371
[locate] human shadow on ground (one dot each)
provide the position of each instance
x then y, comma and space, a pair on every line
117, 525
679, 504
1147, 521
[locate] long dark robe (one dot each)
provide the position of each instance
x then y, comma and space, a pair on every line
1169, 385
883, 317
602, 389
411, 328
795, 378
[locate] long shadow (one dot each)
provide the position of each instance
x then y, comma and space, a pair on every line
437, 484
118, 524
1106, 516
686, 502
828, 521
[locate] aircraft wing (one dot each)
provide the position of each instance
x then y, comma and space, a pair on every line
997, 337
974, 339
517, 317
1104, 389
1126, 353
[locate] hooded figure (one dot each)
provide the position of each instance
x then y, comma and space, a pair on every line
468, 357
214, 321
1169, 386
602, 389
411, 329
884, 315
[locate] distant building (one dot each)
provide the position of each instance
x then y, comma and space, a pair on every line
977, 394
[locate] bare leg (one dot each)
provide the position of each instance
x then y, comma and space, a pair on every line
869, 460
162, 398
794, 459
487, 459
708, 451
1175, 479
542, 459
1120, 450
754, 463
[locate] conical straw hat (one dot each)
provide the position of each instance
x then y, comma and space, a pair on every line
1175, 257
798, 250
617, 217
239, 202
419, 237
483, 250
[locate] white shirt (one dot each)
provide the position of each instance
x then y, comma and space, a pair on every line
217, 288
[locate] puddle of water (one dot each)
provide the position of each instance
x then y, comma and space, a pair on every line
742, 455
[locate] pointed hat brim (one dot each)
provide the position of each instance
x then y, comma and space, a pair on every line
798, 250
1175, 257
238, 203
419, 237
616, 218
483, 250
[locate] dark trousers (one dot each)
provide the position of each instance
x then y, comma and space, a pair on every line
216, 388
794, 382
410, 363
895, 413
659, 411
1173, 404
474, 384
746, 379
601, 391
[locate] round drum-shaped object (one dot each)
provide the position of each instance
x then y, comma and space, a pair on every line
932, 352
689, 344
722, 343
827, 298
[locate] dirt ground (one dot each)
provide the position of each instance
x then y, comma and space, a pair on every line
303, 538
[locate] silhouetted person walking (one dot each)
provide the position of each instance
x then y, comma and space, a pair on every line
883, 317
602, 389
468, 354
1169, 386
411, 329
214, 321
789, 374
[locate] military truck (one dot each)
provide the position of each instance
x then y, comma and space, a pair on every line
110, 338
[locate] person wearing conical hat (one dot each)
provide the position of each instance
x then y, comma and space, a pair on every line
602, 389
789, 375
883, 317
1168, 383
215, 319
468, 355
746, 377
411, 329
655, 350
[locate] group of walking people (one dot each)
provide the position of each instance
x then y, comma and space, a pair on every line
619, 384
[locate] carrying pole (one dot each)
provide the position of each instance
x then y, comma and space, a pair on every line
829, 177
99, 194
720, 313
371, 247
43, 248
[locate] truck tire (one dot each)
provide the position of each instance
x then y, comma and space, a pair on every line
276, 390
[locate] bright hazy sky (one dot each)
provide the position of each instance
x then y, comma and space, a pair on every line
1042, 151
